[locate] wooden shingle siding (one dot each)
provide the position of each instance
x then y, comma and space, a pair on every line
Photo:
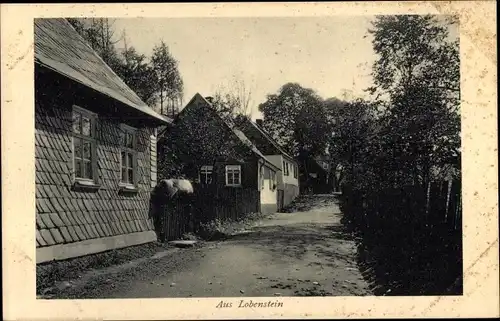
64, 215
59, 47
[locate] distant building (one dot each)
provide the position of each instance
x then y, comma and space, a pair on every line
288, 176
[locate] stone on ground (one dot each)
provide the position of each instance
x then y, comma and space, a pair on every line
183, 243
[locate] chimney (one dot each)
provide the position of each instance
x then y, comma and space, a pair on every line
210, 99
259, 122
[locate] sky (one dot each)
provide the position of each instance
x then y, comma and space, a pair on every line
332, 55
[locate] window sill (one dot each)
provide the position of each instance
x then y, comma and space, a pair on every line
85, 185
127, 189
233, 185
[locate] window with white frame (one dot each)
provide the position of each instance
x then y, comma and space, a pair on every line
128, 143
233, 175
206, 174
286, 170
84, 144
295, 171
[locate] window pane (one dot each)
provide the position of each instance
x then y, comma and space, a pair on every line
85, 126
124, 174
77, 147
130, 175
122, 138
124, 159
78, 168
88, 169
76, 123
132, 137
86, 150
130, 159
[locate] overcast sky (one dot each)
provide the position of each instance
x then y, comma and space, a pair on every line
327, 54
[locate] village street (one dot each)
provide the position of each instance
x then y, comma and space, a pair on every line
287, 254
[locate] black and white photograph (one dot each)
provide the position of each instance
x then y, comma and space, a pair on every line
166, 168
248, 159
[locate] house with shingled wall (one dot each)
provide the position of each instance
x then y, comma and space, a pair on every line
95, 150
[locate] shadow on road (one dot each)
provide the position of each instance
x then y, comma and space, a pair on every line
294, 240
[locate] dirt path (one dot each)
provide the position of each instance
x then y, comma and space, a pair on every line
289, 254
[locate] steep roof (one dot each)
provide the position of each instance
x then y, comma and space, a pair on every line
60, 48
246, 124
238, 133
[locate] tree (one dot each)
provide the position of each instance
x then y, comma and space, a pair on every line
353, 140
416, 50
296, 119
170, 84
100, 36
131, 66
154, 80
138, 75
335, 110
418, 70
233, 100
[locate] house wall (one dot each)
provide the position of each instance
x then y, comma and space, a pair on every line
290, 192
290, 179
288, 184
268, 194
277, 160
71, 223
249, 172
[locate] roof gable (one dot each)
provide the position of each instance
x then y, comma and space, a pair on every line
60, 48
199, 101
249, 126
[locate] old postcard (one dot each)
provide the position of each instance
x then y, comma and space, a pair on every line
249, 160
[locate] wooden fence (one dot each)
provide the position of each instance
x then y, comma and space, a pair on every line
225, 203
184, 213
412, 233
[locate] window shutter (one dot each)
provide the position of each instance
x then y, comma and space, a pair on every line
153, 160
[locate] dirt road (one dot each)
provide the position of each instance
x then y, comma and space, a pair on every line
303, 253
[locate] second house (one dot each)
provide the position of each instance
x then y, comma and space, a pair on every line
288, 176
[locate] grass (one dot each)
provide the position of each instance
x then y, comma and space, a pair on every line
49, 273
221, 229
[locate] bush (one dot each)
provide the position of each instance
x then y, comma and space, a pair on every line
221, 229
